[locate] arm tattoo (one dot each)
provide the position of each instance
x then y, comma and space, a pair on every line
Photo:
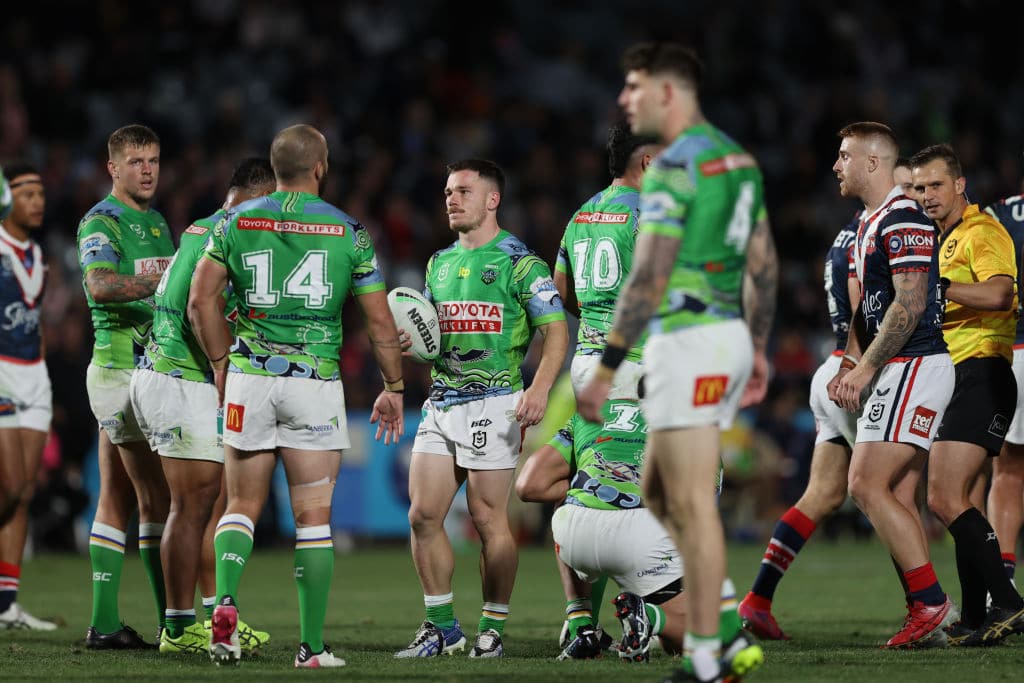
108, 287
653, 261
760, 284
900, 319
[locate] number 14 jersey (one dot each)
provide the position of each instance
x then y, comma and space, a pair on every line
292, 260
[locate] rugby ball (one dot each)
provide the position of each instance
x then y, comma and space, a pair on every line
417, 316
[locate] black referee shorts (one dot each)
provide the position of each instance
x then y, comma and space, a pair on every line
984, 400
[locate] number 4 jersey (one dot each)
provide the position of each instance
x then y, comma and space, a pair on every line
707, 192
597, 249
292, 260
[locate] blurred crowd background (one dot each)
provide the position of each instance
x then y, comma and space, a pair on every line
402, 88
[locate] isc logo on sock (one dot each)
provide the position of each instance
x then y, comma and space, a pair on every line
232, 557
101, 576
298, 572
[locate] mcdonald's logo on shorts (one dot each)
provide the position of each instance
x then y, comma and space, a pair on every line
234, 418
708, 390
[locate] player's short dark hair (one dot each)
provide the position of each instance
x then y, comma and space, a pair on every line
252, 173
659, 58
622, 142
486, 168
902, 161
133, 135
944, 152
18, 167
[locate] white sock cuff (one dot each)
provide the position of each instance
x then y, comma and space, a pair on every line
106, 536
313, 537
437, 600
235, 522
209, 601
151, 529
495, 610
179, 612
110, 532
728, 589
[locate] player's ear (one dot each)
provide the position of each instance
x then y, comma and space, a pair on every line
112, 168
960, 184
493, 200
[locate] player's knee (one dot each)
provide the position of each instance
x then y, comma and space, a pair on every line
154, 502
821, 502
943, 505
861, 489
423, 520
311, 502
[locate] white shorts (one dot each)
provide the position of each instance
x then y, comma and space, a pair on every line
695, 376
481, 435
26, 400
1015, 435
624, 386
179, 417
628, 545
263, 413
907, 401
830, 420
111, 403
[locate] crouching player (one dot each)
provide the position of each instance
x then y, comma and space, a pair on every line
604, 529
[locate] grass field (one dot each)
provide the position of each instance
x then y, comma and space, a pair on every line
840, 601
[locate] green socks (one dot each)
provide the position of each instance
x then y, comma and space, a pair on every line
578, 613
177, 620
493, 616
149, 550
729, 622
106, 553
655, 615
232, 545
440, 609
314, 567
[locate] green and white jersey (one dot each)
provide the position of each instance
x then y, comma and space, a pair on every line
489, 301
6, 200
173, 348
117, 237
605, 460
292, 260
705, 190
597, 248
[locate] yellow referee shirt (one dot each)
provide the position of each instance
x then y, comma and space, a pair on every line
974, 250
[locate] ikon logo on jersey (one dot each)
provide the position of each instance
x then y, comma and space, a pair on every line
470, 316
921, 423
708, 391
234, 417
152, 266
270, 225
601, 217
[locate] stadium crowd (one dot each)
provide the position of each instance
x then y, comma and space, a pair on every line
400, 91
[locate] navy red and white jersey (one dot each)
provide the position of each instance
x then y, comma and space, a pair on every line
839, 269
899, 238
22, 278
1010, 212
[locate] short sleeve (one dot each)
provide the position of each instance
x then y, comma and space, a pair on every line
99, 243
536, 290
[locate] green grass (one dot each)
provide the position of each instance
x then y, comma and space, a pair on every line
840, 601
